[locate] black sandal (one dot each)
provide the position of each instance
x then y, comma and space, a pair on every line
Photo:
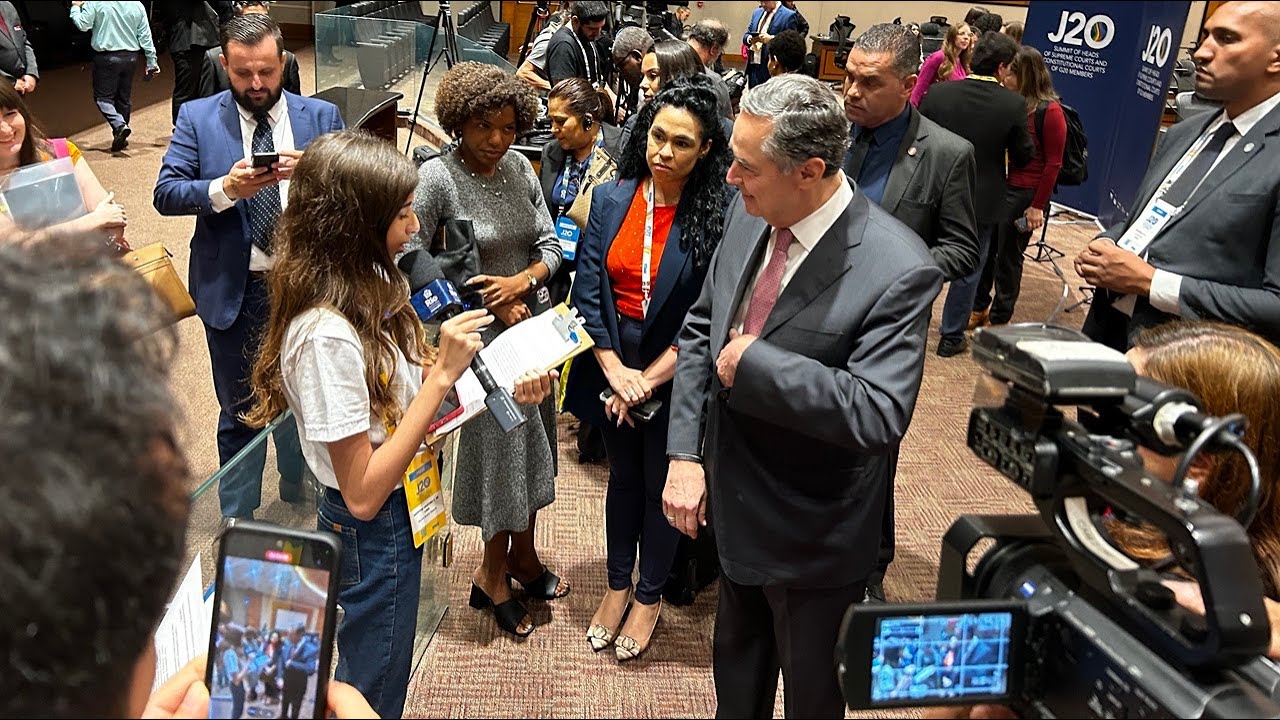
508, 614
544, 586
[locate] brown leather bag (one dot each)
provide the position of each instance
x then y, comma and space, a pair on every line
155, 265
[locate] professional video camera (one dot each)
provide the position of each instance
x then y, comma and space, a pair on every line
1054, 619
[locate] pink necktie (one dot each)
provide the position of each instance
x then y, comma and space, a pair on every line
765, 296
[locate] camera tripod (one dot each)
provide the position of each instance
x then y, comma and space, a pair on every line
449, 51
536, 23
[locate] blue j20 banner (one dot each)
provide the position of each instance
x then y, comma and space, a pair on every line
1111, 62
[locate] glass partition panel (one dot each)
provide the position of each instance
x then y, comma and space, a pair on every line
369, 50
300, 512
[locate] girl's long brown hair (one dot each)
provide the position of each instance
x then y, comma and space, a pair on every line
1231, 370
1034, 81
35, 147
951, 55
331, 251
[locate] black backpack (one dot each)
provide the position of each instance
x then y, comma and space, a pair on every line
1075, 155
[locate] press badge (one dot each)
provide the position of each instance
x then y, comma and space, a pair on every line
1140, 234
567, 233
422, 491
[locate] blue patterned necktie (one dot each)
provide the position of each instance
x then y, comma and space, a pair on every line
264, 206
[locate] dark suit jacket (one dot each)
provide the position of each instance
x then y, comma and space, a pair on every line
213, 77
674, 290
552, 163
206, 143
16, 56
784, 18
994, 120
795, 453
191, 23
1225, 242
930, 189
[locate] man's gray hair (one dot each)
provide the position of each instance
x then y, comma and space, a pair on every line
897, 40
710, 32
808, 121
631, 39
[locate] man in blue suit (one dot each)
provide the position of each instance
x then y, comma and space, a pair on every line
209, 172
768, 20
302, 660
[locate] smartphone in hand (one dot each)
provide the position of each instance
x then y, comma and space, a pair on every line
274, 618
264, 159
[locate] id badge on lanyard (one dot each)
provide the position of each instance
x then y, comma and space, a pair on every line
422, 492
646, 258
1158, 212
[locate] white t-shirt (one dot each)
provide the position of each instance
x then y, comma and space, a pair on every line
323, 365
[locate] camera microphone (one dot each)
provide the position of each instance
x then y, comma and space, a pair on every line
436, 299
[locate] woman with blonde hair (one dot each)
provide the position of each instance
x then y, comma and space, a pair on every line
1231, 370
949, 63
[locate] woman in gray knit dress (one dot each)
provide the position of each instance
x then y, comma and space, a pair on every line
501, 480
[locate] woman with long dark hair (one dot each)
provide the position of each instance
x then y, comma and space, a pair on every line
949, 63
1029, 189
640, 268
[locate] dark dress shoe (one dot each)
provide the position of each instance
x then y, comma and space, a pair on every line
875, 593
949, 346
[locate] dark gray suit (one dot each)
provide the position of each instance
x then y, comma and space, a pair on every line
797, 452
1225, 242
16, 56
930, 189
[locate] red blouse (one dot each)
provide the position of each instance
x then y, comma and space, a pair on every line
626, 255
1042, 172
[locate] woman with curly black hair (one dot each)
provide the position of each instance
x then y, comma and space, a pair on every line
640, 267
501, 479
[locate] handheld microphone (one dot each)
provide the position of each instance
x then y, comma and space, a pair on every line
435, 298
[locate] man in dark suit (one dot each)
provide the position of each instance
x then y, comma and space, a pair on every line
798, 371
1203, 241
994, 120
768, 20
17, 59
920, 173
193, 29
301, 654
213, 76
208, 172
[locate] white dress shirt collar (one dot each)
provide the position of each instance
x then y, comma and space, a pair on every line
811, 229
1245, 121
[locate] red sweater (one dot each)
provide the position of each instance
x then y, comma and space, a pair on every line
1042, 172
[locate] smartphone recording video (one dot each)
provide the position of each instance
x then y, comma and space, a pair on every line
272, 636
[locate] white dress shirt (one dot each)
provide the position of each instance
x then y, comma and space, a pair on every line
807, 233
282, 137
1166, 287
761, 29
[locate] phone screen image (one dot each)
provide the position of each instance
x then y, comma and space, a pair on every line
935, 657
266, 653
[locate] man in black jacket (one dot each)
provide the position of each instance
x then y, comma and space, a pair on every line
920, 173
994, 120
193, 29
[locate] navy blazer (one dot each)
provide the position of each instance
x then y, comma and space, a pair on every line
675, 289
206, 143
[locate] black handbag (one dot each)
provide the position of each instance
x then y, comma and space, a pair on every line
454, 247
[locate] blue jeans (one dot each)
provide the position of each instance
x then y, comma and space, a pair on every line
959, 302
380, 584
113, 85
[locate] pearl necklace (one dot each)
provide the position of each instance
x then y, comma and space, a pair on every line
482, 179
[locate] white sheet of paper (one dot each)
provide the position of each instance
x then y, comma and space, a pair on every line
184, 632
